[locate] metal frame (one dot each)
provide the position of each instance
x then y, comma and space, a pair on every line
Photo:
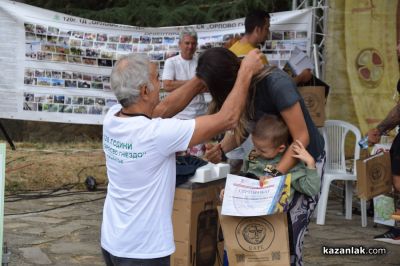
319, 29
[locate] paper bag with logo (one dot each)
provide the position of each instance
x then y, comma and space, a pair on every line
314, 99
256, 241
374, 176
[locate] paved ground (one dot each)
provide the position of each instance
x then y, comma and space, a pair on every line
339, 232
69, 234
63, 236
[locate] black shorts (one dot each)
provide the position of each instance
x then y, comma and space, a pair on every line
112, 260
395, 155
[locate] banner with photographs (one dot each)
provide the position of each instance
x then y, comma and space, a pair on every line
56, 67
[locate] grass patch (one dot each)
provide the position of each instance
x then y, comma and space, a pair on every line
36, 166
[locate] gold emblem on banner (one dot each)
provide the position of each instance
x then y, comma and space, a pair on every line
370, 67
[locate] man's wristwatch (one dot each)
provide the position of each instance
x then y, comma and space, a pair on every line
272, 171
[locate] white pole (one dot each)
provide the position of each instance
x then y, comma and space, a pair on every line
316, 59
294, 4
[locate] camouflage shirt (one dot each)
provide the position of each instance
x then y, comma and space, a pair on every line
303, 179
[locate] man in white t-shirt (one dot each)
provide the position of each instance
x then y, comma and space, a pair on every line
140, 156
180, 69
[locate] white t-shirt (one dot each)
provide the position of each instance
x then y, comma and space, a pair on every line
141, 170
177, 68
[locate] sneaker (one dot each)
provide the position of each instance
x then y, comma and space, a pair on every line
392, 236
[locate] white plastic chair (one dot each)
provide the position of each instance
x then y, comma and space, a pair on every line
335, 132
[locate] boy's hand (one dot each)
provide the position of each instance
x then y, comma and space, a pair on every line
302, 154
263, 179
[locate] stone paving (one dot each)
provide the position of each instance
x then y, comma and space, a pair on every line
63, 236
339, 232
69, 234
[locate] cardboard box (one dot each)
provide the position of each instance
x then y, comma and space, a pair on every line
256, 241
374, 176
197, 234
314, 98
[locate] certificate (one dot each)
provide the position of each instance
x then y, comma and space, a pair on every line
245, 197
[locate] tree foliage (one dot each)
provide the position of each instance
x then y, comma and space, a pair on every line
157, 13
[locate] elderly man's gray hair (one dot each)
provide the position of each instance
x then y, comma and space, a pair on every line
187, 31
127, 77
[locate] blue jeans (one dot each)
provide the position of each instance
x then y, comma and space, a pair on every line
112, 260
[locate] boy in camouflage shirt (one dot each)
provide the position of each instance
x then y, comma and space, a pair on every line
270, 138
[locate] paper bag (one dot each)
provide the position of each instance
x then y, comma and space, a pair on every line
383, 210
314, 99
374, 176
256, 241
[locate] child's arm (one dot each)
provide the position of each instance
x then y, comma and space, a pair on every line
308, 181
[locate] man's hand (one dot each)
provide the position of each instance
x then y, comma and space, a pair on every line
374, 136
252, 62
213, 153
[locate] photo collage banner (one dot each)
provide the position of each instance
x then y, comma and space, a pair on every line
56, 67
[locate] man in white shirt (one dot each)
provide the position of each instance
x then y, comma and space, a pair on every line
140, 156
180, 69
